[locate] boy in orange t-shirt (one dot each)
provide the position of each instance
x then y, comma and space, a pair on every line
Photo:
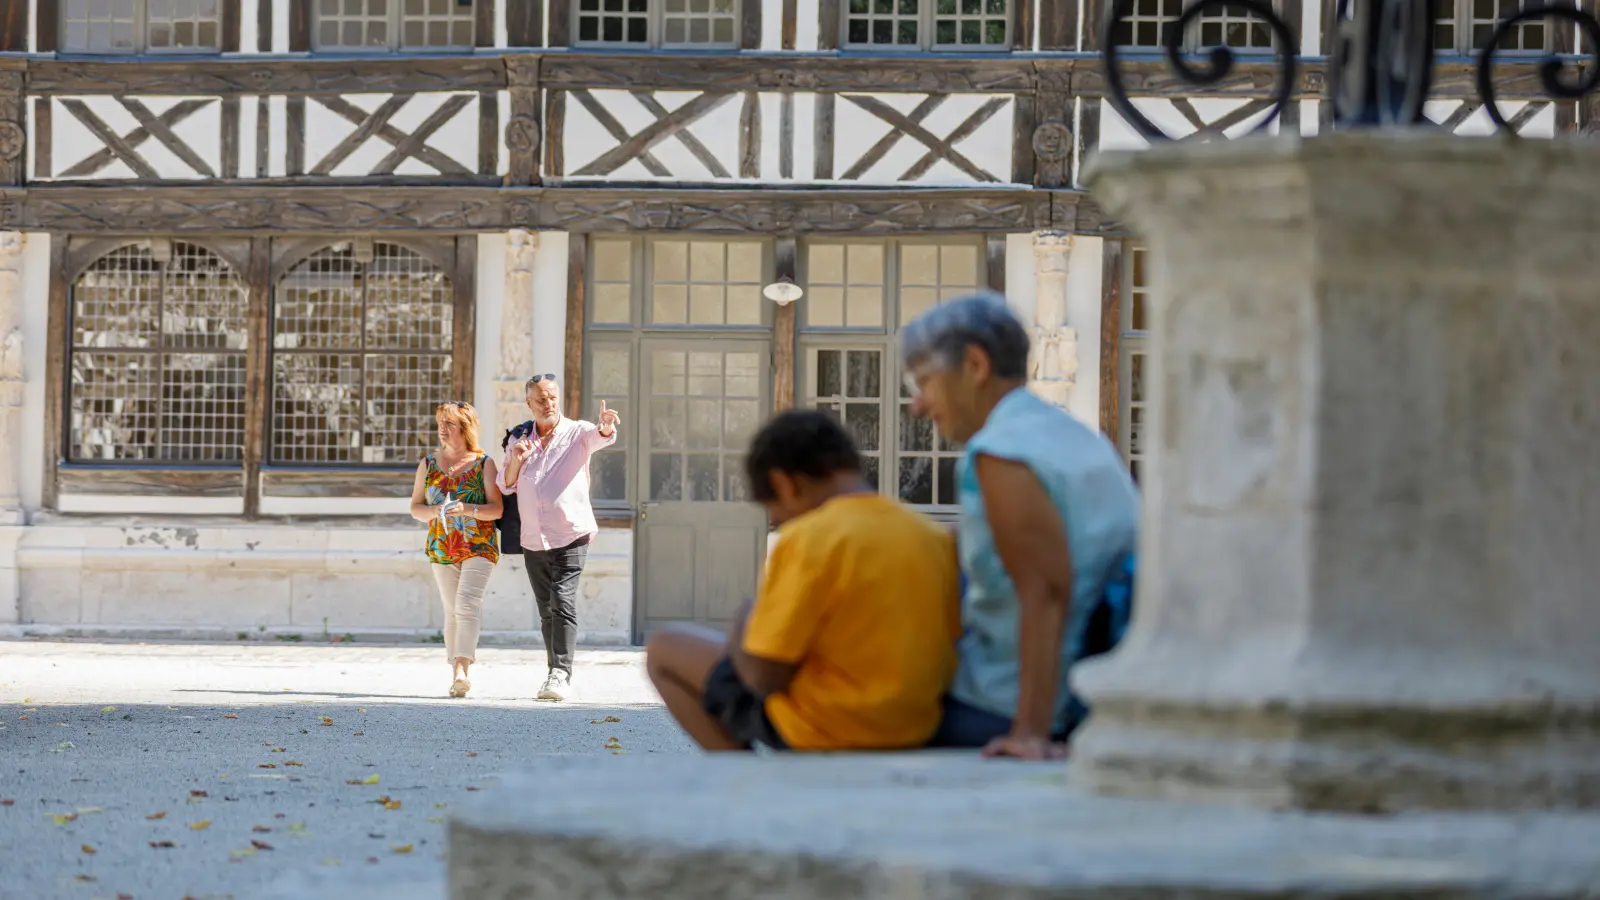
851, 642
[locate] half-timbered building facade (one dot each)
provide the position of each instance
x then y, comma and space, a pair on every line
249, 245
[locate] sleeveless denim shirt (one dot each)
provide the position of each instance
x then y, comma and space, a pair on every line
1099, 505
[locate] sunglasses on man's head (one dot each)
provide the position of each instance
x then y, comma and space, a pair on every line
545, 377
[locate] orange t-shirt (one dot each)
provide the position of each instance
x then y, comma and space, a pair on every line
862, 594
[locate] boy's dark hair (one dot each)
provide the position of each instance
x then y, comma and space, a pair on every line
798, 442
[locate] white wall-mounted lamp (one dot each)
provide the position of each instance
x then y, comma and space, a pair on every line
783, 291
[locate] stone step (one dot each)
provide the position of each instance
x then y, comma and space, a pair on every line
420, 879
954, 827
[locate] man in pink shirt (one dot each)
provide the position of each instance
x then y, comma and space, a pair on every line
547, 468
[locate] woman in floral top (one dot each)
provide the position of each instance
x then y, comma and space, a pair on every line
455, 494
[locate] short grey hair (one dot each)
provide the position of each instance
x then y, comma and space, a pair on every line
942, 335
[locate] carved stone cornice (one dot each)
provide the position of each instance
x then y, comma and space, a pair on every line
243, 208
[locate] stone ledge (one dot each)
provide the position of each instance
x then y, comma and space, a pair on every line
952, 826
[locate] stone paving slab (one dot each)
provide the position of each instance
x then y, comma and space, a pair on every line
953, 826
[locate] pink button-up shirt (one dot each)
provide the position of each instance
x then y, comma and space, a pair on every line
553, 487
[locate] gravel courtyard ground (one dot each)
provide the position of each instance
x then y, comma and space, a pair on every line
211, 770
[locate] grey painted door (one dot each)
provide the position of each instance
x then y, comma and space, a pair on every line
700, 542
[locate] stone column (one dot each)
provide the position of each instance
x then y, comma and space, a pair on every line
1370, 560
516, 332
1053, 367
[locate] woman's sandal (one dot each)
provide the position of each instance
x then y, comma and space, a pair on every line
459, 687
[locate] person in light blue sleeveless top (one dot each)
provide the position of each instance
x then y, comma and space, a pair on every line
1048, 529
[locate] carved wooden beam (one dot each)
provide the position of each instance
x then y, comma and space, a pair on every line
13, 127
1146, 75
243, 208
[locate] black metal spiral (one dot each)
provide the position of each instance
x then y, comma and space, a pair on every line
1221, 59
1550, 68
1381, 69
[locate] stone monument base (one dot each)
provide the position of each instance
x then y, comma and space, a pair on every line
954, 827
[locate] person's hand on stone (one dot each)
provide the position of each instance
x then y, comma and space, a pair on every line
1023, 747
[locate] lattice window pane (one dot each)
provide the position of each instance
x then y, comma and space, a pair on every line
933, 273
1136, 286
361, 357
613, 281
435, 24
1146, 25
100, 26
130, 401
706, 282
844, 286
697, 22
354, 24
1527, 37
884, 23
611, 381
184, 25
965, 24
848, 384
1234, 27
613, 21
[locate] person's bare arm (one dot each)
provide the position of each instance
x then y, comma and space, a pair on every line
763, 676
1031, 541
420, 510
491, 510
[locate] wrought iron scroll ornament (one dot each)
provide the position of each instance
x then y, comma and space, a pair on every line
1381, 69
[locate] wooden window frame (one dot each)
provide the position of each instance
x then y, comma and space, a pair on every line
1191, 42
1131, 342
812, 338
1557, 34
747, 15
582, 404
1018, 18
252, 478
304, 19
49, 24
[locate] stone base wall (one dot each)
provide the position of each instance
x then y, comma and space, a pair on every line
214, 578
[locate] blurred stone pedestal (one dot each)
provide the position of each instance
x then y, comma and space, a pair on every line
1370, 562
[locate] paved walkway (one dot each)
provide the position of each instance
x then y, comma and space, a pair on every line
208, 770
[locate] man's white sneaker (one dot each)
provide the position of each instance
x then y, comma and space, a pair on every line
555, 686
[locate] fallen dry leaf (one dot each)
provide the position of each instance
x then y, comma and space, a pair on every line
230, 716
236, 855
160, 815
403, 848
327, 720
280, 815
7, 802
436, 819
27, 700
471, 788
372, 859
88, 810
201, 825
88, 848
198, 794
63, 818
472, 753
331, 861
108, 709
441, 806
124, 897
162, 845
370, 779
360, 709
266, 765
261, 829
298, 830
86, 879
260, 845
391, 804
292, 762
280, 749
22, 718
358, 734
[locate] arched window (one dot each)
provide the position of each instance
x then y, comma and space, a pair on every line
157, 362
361, 355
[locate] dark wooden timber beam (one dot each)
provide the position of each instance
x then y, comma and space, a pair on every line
242, 208
1146, 75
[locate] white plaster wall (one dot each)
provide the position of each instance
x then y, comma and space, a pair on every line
550, 303
491, 301
35, 341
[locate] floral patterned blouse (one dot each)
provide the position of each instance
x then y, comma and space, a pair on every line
459, 537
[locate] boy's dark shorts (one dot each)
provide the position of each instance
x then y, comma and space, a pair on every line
731, 702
